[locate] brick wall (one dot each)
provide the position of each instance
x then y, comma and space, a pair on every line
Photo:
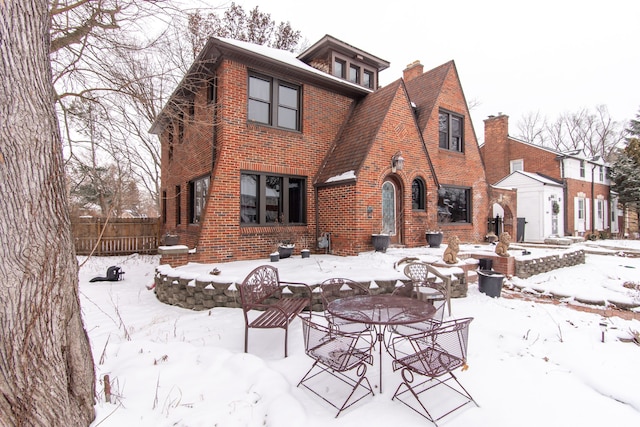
499, 149
459, 169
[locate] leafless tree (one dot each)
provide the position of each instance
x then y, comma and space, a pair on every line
46, 367
102, 58
594, 132
531, 128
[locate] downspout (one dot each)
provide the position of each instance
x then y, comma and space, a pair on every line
593, 200
316, 198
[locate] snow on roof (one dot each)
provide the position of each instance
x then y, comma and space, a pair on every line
534, 176
342, 177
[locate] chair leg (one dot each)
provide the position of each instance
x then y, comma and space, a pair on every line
353, 383
246, 338
286, 339
417, 389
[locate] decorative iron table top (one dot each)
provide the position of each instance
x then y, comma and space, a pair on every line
381, 309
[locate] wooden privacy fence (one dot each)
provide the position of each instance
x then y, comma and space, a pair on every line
121, 236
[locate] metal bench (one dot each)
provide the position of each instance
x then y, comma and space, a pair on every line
262, 284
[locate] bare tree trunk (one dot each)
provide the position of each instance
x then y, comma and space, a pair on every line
46, 368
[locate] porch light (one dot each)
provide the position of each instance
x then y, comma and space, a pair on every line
397, 162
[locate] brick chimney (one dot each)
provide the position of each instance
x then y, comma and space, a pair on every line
413, 70
495, 151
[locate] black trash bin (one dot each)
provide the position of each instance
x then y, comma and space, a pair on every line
490, 282
485, 264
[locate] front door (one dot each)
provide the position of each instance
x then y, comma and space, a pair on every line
391, 223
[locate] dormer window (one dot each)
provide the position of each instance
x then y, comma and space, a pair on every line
354, 74
344, 61
353, 70
367, 79
339, 67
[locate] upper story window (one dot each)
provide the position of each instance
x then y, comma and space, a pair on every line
417, 194
516, 165
581, 168
354, 70
272, 199
367, 79
450, 129
212, 90
339, 67
601, 173
354, 74
274, 102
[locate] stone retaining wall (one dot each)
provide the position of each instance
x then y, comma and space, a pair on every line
195, 294
530, 267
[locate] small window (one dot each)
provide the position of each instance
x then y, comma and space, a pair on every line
601, 174
272, 199
516, 165
192, 110
417, 195
582, 168
180, 127
164, 206
354, 74
212, 90
454, 205
198, 191
170, 140
178, 205
339, 67
367, 79
450, 128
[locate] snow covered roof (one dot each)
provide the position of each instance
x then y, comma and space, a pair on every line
534, 176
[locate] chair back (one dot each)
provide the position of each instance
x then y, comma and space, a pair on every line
333, 348
259, 284
335, 288
426, 275
434, 352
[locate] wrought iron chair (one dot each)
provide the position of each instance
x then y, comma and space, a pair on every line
335, 288
438, 300
340, 364
425, 279
433, 354
261, 290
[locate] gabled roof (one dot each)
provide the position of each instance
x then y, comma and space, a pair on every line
425, 89
544, 180
357, 136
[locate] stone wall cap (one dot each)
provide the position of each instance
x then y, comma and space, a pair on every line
173, 250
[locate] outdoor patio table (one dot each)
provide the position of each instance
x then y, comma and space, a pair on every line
381, 311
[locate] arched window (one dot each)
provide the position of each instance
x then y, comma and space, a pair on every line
417, 194
388, 208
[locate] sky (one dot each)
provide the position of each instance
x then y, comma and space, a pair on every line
515, 58
530, 363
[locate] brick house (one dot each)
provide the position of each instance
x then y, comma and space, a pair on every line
587, 203
260, 146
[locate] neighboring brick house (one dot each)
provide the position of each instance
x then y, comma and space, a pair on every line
587, 202
260, 145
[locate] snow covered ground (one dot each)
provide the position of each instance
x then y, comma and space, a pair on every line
530, 364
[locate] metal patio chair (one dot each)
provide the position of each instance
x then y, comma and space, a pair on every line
340, 364
425, 279
261, 291
433, 354
335, 288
